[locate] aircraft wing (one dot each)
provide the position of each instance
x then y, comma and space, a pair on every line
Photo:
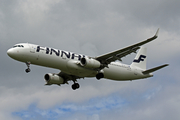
118, 54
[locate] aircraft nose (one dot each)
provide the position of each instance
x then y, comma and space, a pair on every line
10, 52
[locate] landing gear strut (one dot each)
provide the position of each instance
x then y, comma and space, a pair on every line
75, 86
28, 65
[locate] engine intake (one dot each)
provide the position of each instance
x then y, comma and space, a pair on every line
53, 79
90, 63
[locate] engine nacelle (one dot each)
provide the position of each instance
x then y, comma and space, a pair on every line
53, 79
90, 63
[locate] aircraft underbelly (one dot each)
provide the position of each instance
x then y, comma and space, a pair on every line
119, 73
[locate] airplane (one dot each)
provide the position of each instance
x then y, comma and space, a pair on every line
74, 66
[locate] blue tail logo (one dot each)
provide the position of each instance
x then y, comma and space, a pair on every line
141, 58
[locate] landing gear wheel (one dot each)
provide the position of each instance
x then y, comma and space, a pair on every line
75, 86
28, 70
28, 65
99, 76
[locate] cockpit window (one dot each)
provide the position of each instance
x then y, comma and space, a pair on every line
18, 46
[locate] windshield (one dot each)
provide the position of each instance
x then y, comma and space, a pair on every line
18, 46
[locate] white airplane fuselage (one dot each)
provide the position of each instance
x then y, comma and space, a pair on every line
69, 62
74, 66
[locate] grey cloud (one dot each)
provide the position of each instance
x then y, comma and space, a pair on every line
92, 28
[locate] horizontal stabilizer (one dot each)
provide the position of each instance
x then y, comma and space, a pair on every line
154, 69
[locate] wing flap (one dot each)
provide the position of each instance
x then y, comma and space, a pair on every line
154, 69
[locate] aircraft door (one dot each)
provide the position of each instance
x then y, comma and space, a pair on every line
32, 48
135, 72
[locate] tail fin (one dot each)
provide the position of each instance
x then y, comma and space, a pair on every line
140, 59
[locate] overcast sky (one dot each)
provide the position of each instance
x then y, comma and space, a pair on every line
93, 28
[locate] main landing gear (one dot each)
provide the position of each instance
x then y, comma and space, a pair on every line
99, 76
28, 65
75, 86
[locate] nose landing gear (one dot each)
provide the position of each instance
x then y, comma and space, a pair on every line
28, 65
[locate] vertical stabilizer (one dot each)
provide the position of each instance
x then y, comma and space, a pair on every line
140, 59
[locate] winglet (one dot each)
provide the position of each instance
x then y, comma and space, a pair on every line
156, 35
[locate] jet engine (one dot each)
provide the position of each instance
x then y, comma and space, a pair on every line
90, 63
53, 79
